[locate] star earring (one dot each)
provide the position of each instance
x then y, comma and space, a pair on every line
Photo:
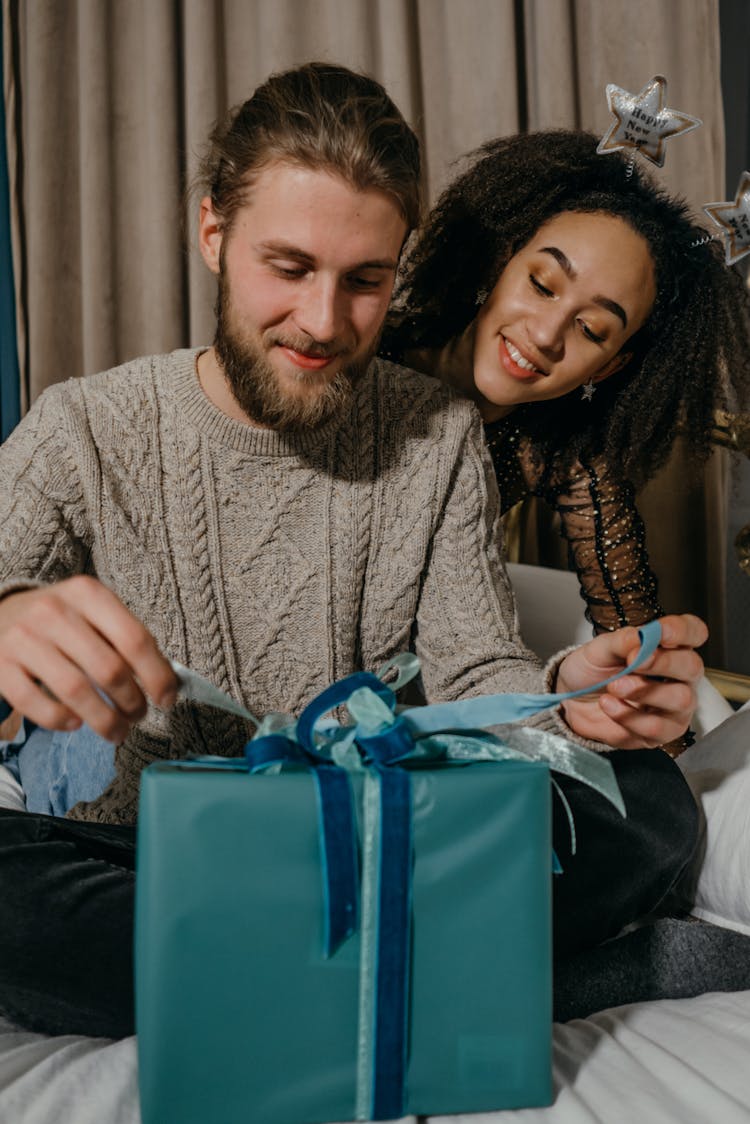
588, 390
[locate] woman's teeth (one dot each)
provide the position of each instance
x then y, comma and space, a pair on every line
519, 360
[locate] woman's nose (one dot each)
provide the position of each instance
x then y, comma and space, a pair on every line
546, 328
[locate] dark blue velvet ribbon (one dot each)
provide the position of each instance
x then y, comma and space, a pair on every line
336, 825
378, 753
378, 742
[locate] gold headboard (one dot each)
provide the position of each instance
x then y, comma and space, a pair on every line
732, 431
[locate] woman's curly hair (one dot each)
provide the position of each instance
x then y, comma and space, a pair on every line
691, 357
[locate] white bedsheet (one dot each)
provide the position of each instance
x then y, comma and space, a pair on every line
683, 1061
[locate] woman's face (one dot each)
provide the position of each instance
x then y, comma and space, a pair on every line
562, 311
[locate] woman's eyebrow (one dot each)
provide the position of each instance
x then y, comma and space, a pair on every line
564, 262
614, 307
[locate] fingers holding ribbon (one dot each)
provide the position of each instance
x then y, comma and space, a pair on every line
649, 707
72, 653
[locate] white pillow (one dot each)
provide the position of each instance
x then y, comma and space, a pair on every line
11, 793
717, 768
550, 608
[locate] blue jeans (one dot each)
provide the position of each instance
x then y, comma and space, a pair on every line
57, 769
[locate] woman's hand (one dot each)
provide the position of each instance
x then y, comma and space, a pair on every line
649, 708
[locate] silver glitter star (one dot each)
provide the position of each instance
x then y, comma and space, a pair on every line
643, 122
734, 217
589, 390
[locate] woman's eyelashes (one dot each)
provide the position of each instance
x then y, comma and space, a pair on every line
540, 288
589, 334
544, 291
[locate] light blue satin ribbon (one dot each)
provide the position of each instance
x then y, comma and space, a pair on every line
381, 740
382, 737
496, 710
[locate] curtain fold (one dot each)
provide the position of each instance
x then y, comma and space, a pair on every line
117, 98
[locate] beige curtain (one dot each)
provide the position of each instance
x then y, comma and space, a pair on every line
116, 97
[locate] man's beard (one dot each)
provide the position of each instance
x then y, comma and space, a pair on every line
256, 386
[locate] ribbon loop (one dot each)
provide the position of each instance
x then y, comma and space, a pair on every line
407, 667
336, 830
381, 735
272, 749
332, 697
381, 740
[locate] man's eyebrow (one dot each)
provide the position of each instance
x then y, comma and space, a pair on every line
288, 250
564, 263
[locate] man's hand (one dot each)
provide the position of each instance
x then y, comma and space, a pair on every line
60, 646
649, 708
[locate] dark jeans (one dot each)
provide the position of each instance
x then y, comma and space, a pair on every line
66, 924
622, 868
66, 893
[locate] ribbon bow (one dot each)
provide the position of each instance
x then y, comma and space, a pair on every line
381, 740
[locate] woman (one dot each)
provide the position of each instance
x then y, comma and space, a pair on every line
577, 304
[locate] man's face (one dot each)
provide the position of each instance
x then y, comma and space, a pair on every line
305, 276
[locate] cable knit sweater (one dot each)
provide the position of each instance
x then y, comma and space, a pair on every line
271, 563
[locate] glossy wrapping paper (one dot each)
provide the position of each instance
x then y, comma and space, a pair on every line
241, 1017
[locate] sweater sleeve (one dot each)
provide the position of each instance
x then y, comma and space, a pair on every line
467, 633
41, 516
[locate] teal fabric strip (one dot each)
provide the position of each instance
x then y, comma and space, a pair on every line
562, 756
557, 868
497, 710
10, 382
393, 967
368, 948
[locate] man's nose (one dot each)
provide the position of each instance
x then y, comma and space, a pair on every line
321, 311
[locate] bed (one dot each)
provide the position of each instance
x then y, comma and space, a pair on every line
669, 1061
674, 1061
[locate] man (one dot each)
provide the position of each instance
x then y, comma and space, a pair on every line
275, 512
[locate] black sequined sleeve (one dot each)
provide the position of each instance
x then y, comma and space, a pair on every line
606, 543
604, 532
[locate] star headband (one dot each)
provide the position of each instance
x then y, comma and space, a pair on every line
643, 122
734, 219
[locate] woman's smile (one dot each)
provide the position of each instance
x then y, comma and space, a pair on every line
516, 363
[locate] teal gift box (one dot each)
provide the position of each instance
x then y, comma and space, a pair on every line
270, 988
242, 1017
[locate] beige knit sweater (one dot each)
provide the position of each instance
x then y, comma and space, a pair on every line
272, 564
